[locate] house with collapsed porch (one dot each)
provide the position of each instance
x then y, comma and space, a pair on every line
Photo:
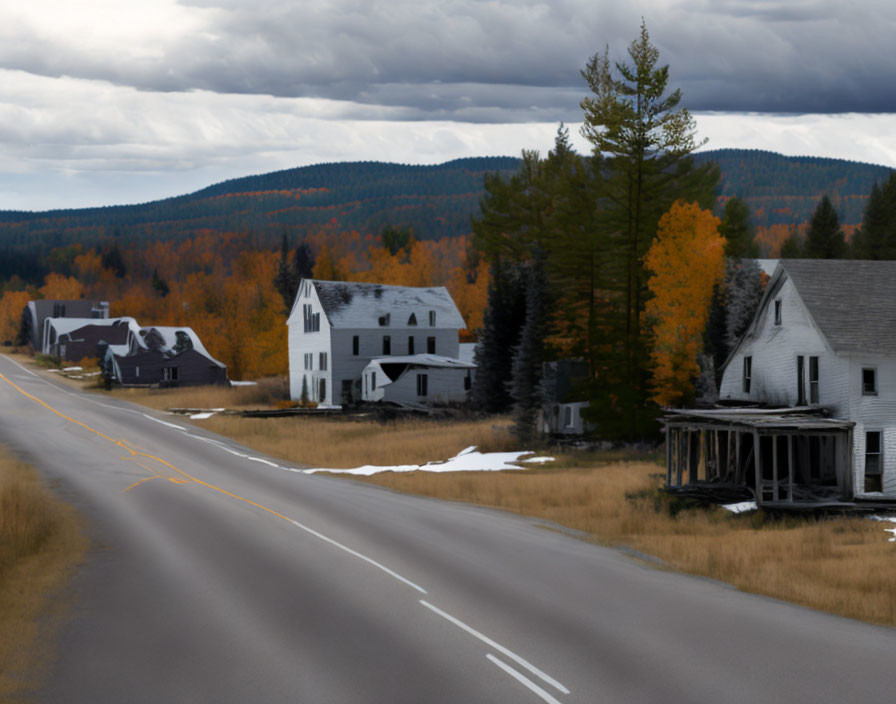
351, 341
807, 412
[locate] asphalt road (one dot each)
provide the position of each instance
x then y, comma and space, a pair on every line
219, 578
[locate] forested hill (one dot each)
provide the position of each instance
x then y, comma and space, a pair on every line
436, 201
786, 189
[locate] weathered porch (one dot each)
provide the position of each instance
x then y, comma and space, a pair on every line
785, 458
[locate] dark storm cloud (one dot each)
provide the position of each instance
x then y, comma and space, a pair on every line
510, 60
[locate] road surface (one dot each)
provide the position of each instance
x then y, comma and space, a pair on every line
216, 577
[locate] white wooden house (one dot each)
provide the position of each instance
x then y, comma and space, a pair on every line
818, 366
418, 378
337, 328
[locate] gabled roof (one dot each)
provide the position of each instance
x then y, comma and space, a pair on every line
67, 325
168, 336
360, 305
852, 302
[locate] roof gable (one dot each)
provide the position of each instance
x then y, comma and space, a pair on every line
852, 302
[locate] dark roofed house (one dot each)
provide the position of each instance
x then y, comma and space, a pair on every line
76, 338
816, 371
36, 312
164, 356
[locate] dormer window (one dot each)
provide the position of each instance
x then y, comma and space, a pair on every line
778, 312
384, 320
412, 320
432, 318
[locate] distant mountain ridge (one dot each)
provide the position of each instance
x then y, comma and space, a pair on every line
436, 201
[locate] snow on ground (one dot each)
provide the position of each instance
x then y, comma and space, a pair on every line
243, 383
741, 507
73, 369
887, 519
202, 416
468, 460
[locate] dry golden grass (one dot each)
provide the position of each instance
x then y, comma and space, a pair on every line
41, 541
340, 444
844, 565
266, 394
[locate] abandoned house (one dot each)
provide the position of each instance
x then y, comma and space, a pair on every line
164, 356
810, 394
421, 377
76, 338
336, 329
36, 312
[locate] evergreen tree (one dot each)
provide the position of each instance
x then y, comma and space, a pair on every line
877, 237
738, 231
159, 284
113, 260
528, 355
302, 264
283, 281
396, 238
645, 140
793, 246
501, 325
825, 238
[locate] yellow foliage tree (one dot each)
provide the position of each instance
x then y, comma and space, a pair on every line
685, 260
11, 306
61, 288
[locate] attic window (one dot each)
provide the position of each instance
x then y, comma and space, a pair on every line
412, 320
778, 312
384, 320
869, 381
748, 373
432, 318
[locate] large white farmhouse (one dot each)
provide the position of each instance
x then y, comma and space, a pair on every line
818, 367
338, 328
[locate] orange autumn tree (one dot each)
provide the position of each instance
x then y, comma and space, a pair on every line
686, 260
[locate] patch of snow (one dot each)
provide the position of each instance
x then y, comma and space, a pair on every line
54, 370
467, 461
539, 460
741, 507
243, 383
93, 373
202, 416
467, 450
887, 519
73, 369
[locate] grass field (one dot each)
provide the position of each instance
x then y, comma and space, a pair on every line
41, 541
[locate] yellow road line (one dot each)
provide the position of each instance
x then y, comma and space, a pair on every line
139, 482
135, 454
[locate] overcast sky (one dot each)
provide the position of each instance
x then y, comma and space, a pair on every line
104, 101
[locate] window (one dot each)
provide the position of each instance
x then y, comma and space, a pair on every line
323, 361
384, 320
356, 345
137, 371
169, 373
422, 384
800, 381
309, 360
411, 345
468, 381
387, 345
813, 379
567, 417
372, 381
748, 373
323, 390
869, 381
873, 461
778, 312
412, 321
310, 319
430, 345
432, 318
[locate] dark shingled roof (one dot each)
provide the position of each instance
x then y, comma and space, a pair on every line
360, 305
852, 302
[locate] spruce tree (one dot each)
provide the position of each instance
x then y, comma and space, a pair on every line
528, 355
738, 231
283, 278
743, 292
302, 264
793, 246
824, 239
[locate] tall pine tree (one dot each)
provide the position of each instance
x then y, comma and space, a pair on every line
825, 240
